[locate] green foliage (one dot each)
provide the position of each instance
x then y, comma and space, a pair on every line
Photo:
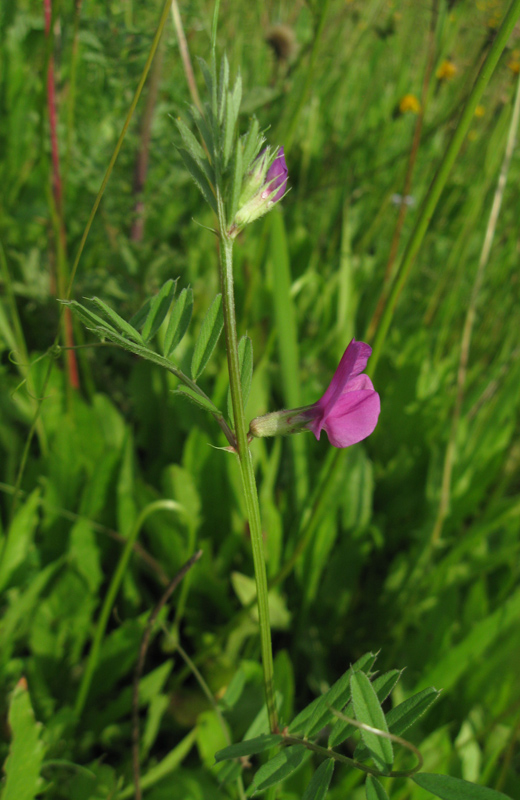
24, 762
208, 337
347, 538
448, 788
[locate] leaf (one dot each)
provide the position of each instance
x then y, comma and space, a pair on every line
448, 788
199, 400
383, 685
208, 337
159, 307
26, 751
400, 718
191, 143
139, 318
19, 539
317, 714
236, 184
278, 769
234, 689
232, 109
200, 179
91, 320
319, 785
204, 130
118, 321
374, 790
252, 142
179, 321
250, 747
368, 710
223, 87
245, 359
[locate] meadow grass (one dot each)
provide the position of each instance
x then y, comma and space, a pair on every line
372, 549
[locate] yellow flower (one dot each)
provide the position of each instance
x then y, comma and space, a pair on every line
480, 111
514, 62
409, 103
446, 71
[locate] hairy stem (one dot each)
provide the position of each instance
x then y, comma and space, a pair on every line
246, 462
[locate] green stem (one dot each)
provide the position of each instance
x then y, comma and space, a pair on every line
115, 583
246, 462
432, 198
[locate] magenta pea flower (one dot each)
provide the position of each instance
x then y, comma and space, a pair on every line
347, 412
263, 187
349, 409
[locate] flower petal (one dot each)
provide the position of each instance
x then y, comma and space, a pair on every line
353, 418
353, 362
276, 177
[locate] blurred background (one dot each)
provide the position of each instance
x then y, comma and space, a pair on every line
408, 543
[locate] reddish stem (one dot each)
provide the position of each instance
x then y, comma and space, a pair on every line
57, 190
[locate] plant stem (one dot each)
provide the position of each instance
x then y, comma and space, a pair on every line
245, 460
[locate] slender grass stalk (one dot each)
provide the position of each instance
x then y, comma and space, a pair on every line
71, 105
56, 204
433, 195
143, 154
110, 597
23, 364
245, 460
185, 55
469, 322
97, 201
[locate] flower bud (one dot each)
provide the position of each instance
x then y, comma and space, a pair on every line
264, 186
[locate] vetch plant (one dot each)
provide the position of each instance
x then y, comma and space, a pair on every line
241, 179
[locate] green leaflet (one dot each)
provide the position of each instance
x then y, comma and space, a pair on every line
250, 747
159, 308
448, 788
318, 713
180, 319
319, 785
208, 337
118, 321
383, 685
374, 790
400, 718
368, 710
278, 768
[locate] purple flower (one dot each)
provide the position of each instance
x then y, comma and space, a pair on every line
276, 178
349, 409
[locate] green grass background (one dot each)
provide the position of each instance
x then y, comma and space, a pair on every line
308, 278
